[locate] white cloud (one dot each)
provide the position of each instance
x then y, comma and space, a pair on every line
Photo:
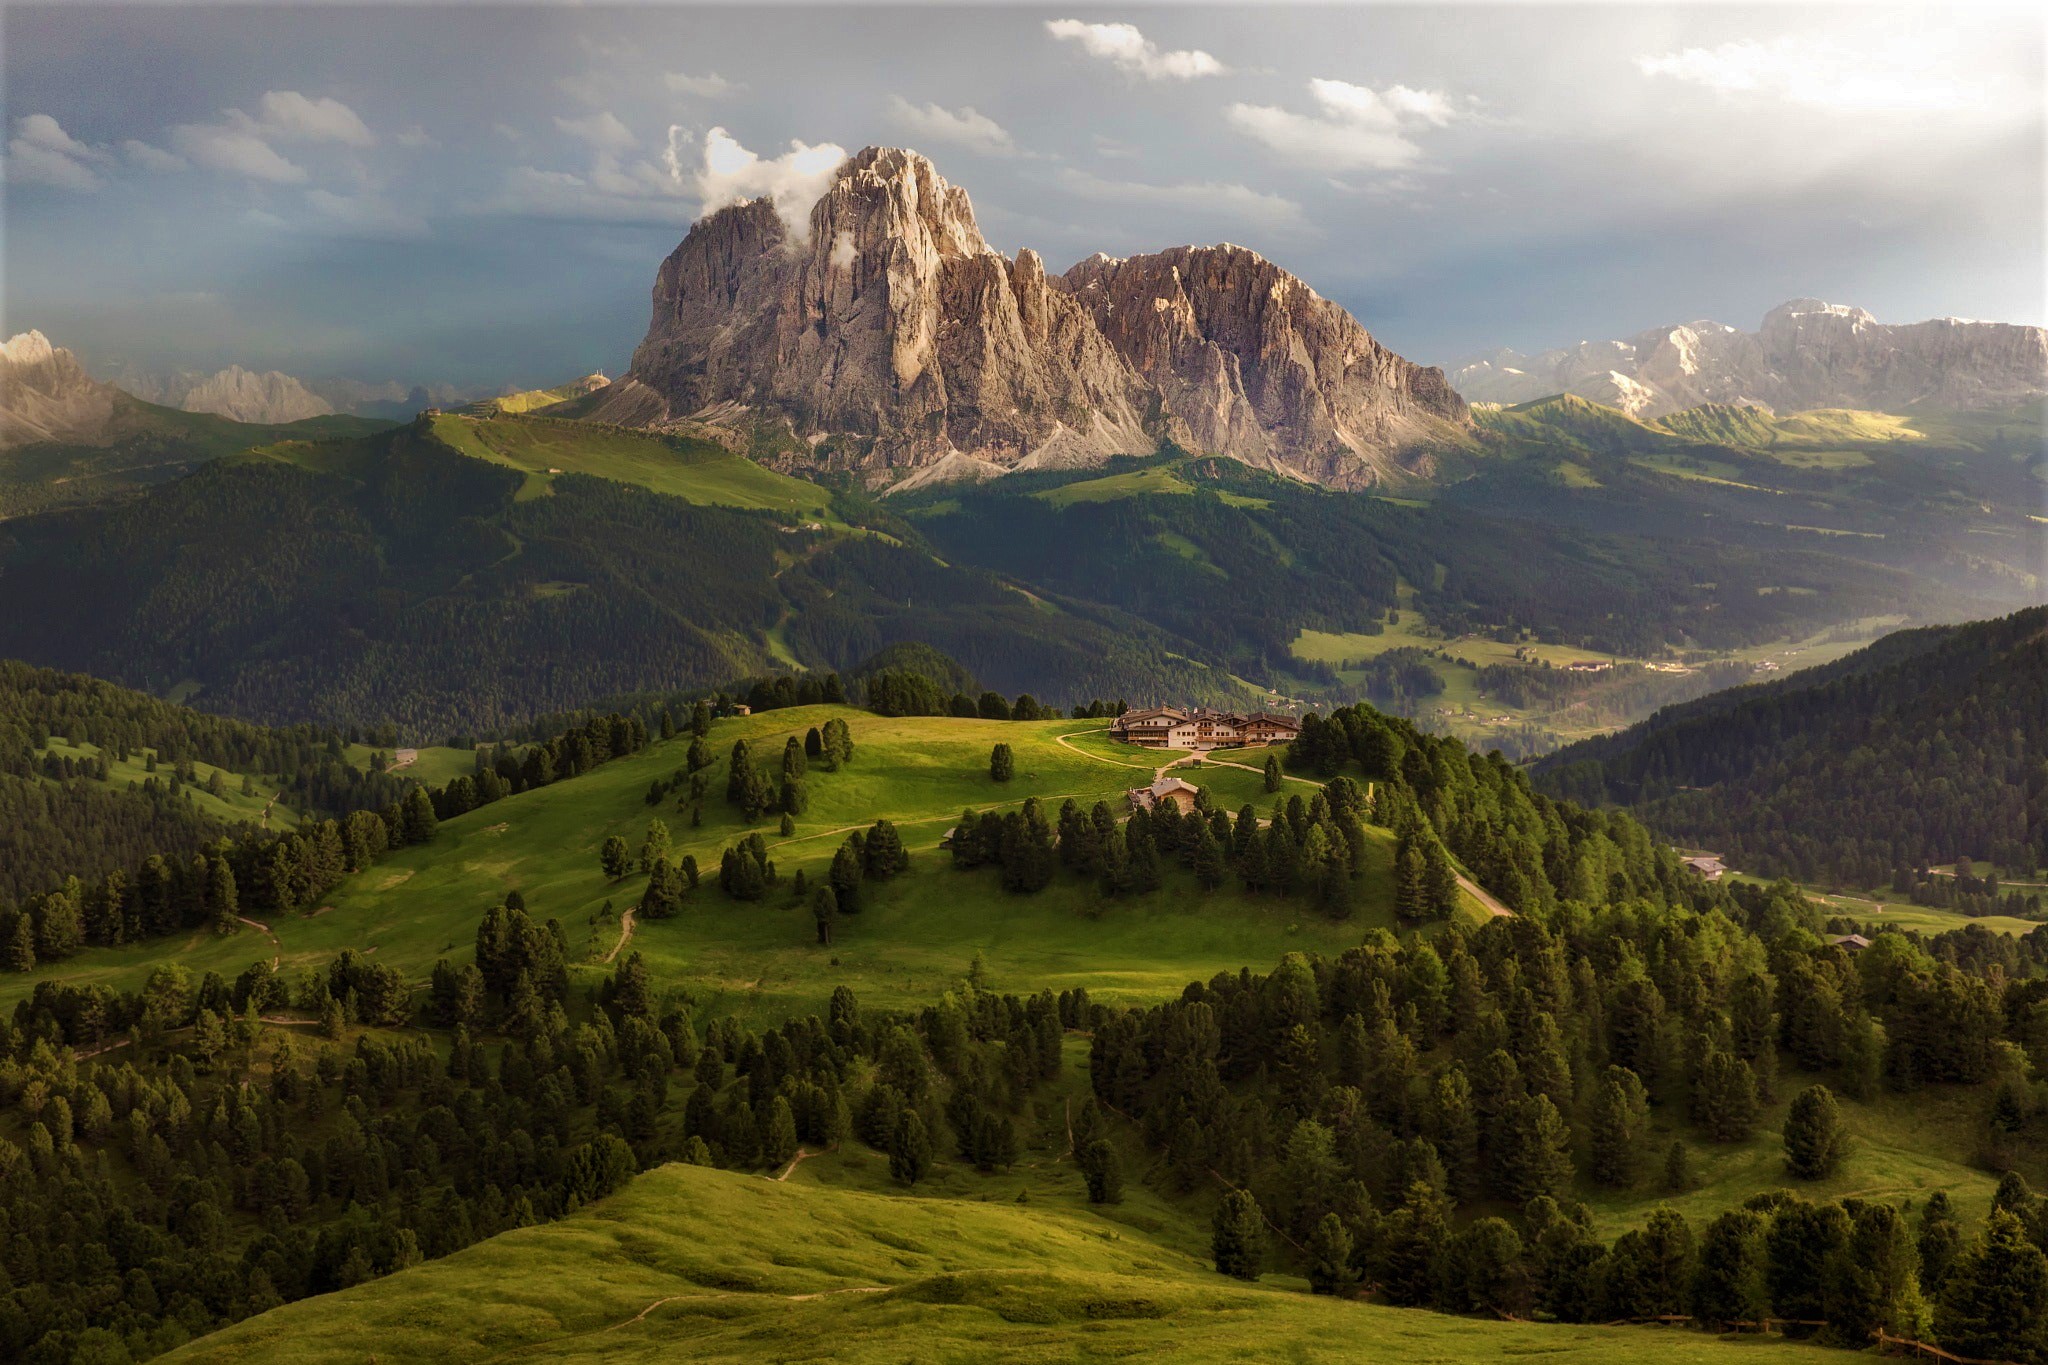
1355, 127
288, 114
152, 158
239, 144
1236, 201
1129, 50
602, 130
728, 173
365, 215
709, 86
234, 151
415, 138
963, 127
42, 153
1902, 77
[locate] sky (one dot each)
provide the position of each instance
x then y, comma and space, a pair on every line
480, 195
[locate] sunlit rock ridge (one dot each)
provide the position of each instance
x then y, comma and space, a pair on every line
890, 338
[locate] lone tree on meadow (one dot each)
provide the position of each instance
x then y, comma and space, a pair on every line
1238, 1236
1272, 772
1815, 1141
1002, 765
824, 909
615, 857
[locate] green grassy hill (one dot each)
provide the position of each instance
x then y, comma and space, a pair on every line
702, 1265
760, 960
696, 471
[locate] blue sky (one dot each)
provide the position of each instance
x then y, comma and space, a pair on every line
480, 195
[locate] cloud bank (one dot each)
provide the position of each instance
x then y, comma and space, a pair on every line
1124, 47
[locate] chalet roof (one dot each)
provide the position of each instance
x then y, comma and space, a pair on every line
1166, 786
1853, 942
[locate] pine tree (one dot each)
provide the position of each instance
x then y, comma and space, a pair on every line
1621, 1114
1538, 1160
1238, 1236
1273, 775
615, 857
1678, 1172
1103, 1170
21, 946
1001, 764
1815, 1141
824, 910
223, 898
1724, 1098
779, 1144
1329, 1251
1994, 1300
910, 1149
1728, 1284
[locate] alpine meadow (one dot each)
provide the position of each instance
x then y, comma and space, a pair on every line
696, 682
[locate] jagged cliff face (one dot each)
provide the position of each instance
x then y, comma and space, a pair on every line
1254, 363
893, 339
1807, 354
46, 395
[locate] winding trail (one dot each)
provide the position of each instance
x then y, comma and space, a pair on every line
268, 933
625, 933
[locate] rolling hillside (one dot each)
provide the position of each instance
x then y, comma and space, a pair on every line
702, 1265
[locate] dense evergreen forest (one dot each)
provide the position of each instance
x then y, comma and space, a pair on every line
1415, 1118
60, 816
1923, 749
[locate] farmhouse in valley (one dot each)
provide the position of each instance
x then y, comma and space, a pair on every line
1166, 791
1167, 727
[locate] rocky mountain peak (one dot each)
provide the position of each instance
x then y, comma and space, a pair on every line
893, 339
46, 395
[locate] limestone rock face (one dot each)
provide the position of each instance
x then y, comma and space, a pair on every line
1256, 364
46, 395
891, 338
1807, 354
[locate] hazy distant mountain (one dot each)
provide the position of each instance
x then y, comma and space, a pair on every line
1807, 354
893, 339
243, 395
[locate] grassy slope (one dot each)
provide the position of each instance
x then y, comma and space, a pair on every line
696, 1264
696, 471
917, 938
230, 807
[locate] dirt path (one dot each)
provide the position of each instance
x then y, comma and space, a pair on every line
803, 1154
1061, 740
265, 930
642, 1315
625, 933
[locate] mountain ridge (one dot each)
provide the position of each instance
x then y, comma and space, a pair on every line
891, 339
1805, 354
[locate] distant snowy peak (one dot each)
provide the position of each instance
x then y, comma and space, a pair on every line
1807, 353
